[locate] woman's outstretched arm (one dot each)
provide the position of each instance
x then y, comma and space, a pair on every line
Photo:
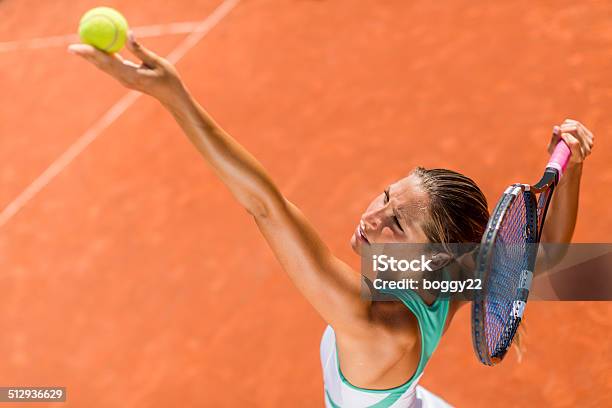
330, 285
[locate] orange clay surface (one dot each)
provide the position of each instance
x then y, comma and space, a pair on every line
135, 280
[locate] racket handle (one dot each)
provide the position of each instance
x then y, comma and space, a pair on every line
559, 158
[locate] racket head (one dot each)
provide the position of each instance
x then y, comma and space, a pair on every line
504, 264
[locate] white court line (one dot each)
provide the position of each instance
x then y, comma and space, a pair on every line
110, 116
62, 40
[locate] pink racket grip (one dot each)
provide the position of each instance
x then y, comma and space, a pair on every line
560, 157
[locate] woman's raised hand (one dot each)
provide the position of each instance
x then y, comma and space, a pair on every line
154, 75
578, 138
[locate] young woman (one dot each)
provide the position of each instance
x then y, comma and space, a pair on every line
373, 353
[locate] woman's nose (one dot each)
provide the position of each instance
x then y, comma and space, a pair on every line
371, 221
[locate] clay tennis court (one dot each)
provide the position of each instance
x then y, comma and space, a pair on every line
130, 276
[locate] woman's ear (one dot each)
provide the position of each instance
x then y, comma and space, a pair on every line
440, 259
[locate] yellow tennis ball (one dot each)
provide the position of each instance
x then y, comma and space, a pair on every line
104, 28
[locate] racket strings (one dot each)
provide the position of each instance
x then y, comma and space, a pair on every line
508, 260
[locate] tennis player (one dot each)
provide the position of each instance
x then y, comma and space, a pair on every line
373, 354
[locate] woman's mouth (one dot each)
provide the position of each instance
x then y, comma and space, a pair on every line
361, 236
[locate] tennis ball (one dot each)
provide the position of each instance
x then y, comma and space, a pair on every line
104, 28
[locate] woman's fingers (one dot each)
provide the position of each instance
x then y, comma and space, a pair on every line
578, 130
148, 58
575, 147
99, 58
590, 138
113, 64
579, 139
571, 128
106, 62
556, 136
154, 76
585, 140
96, 57
127, 62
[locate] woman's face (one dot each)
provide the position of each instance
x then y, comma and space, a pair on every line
395, 215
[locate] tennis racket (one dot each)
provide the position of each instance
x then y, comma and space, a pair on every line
506, 259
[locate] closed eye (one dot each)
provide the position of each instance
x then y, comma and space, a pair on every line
395, 218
